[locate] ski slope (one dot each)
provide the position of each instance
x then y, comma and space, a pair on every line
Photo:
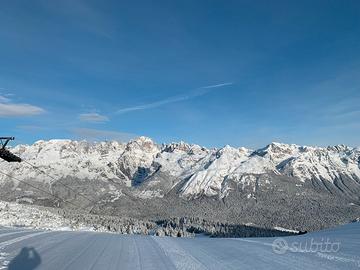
35, 249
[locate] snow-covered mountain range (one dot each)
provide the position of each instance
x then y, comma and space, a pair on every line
292, 186
195, 170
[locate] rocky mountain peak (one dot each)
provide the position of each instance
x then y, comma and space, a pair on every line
180, 146
141, 143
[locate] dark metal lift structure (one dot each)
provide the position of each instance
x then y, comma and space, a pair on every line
6, 154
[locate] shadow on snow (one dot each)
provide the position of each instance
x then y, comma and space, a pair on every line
27, 259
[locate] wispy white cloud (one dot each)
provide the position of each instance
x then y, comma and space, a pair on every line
102, 135
217, 85
10, 109
196, 93
93, 117
4, 99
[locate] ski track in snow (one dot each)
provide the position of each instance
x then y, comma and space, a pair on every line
180, 258
89, 250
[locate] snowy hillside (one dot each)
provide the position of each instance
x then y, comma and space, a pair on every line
13, 214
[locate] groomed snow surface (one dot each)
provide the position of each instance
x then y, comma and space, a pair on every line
20, 248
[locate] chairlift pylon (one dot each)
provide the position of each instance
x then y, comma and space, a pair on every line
6, 154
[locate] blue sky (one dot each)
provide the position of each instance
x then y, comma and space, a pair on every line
243, 73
